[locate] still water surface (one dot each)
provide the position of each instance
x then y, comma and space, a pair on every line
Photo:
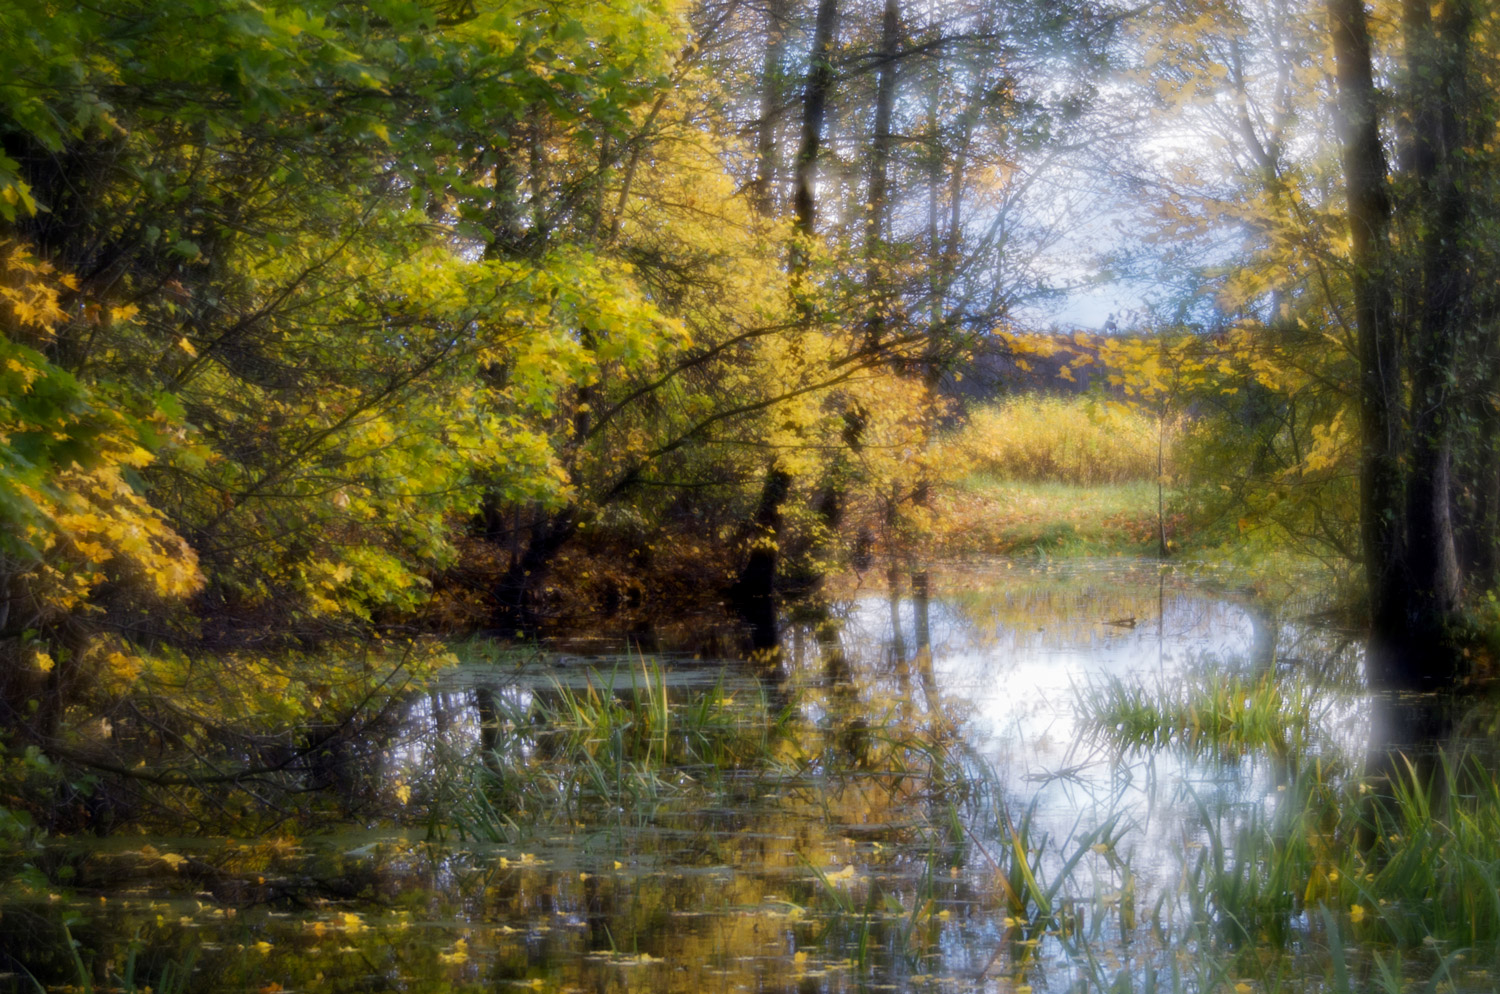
910, 799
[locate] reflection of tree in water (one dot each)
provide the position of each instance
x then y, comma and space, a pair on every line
717, 878
1010, 611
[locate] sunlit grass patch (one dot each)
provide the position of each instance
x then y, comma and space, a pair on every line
990, 515
1056, 476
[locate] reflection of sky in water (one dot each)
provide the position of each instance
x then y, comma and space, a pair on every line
1012, 648
1021, 683
719, 887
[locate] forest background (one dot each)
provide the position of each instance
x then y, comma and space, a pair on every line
331, 330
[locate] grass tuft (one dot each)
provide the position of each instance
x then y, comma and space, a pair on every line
1201, 711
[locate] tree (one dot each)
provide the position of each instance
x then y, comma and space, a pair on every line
1410, 341
250, 295
1347, 294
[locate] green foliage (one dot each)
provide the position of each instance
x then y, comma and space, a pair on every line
318, 336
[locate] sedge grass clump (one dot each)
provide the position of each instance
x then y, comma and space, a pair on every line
1075, 440
1409, 859
622, 744
1202, 711
1432, 869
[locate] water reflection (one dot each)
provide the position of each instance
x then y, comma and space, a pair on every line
914, 801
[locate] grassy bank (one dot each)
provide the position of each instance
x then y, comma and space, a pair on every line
1053, 476
988, 515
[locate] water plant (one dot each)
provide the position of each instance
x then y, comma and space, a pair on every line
172, 977
1205, 709
624, 738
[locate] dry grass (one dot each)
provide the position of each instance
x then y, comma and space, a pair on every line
1078, 440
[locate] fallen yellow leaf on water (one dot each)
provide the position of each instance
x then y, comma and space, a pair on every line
459, 954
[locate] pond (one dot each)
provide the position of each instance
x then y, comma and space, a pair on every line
1038, 777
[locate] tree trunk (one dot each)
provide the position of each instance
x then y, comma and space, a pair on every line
1436, 56
814, 111
880, 155
771, 95
1477, 480
515, 607
1369, 212
754, 592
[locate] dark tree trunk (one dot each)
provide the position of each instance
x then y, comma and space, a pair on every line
1436, 56
753, 594
814, 110
1407, 485
1477, 487
515, 606
1369, 212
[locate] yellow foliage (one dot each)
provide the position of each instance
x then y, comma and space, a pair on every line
99, 518
74, 516
29, 293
